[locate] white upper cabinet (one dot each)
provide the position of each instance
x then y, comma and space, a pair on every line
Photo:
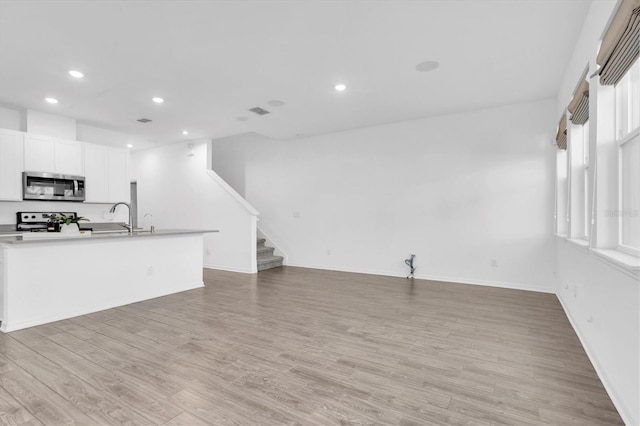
106, 169
95, 166
106, 174
11, 164
39, 153
118, 175
47, 154
68, 157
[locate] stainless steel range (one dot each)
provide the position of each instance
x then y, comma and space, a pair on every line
37, 221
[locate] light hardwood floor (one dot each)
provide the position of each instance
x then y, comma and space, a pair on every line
309, 347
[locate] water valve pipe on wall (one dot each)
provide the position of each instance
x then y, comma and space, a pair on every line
410, 263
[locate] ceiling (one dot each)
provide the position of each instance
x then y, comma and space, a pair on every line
213, 60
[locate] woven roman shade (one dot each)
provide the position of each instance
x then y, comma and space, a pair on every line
620, 46
561, 136
579, 105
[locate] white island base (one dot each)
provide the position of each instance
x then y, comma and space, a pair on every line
46, 281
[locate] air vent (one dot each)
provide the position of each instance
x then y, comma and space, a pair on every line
259, 111
144, 120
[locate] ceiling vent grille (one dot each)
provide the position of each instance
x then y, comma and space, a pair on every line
259, 111
144, 120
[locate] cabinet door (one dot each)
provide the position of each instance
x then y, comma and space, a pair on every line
39, 153
118, 175
68, 157
96, 167
11, 165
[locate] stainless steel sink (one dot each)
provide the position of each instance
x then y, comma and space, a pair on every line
121, 231
110, 231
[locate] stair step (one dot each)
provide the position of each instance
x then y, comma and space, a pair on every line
264, 251
269, 262
261, 241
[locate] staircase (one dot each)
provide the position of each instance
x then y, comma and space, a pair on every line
266, 259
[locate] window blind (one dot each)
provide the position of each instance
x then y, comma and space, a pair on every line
579, 105
620, 46
561, 136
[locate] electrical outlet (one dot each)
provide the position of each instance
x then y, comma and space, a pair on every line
207, 252
328, 252
149, 271
494, 263
296, 215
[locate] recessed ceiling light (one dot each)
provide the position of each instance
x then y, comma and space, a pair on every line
275, 102
51, 100
76, 74
184, 132
129, 145
340, 87
157, 100
427, 66
243, 118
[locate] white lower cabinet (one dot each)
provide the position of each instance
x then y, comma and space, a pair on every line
106, 174
11, 164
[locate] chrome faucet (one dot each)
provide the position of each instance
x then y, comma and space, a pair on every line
152, 228
129, 226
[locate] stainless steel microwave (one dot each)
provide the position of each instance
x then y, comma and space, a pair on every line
52, 186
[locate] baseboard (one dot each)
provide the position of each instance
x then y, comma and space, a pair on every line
600, 371
230, 269
489, 283
343, 269
460, 280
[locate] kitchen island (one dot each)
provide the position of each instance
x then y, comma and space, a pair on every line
50, 279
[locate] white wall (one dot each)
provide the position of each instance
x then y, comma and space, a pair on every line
597, 290
602, 303
92, 134
43, 123
11, 119
456, 191
228, 159
176, 189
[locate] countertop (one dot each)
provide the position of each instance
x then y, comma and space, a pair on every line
15, 238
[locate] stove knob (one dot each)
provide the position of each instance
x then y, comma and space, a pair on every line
33, 217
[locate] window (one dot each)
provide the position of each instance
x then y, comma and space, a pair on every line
585, 178
579, 207
627, 102
630, 195
578, 108
603, 151
627, 93
561, 193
